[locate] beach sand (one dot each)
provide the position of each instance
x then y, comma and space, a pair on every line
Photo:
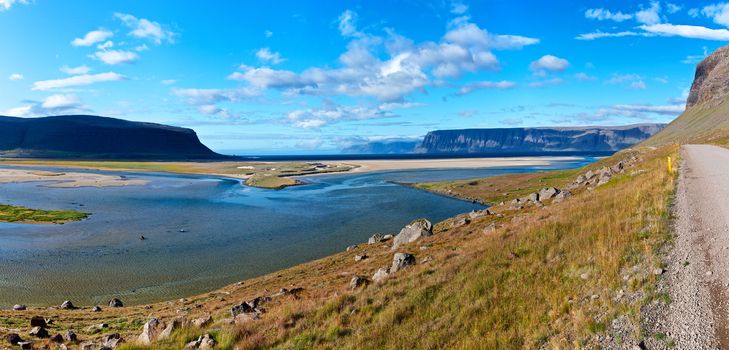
452, 163
65, 179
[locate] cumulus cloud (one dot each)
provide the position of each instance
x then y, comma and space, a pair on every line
633, 81
92, 38
168, 81
78, 80
347, 23
212, 96
649, 15
601, 14
266, 55
719, 13
318, 117
599, 35
458, 8
478, 85
52, 105
15, 77
113, 57
548, 64
584, 77
75, 70
268, 33
146, 29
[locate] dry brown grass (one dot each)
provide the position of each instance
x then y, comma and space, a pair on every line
518, 287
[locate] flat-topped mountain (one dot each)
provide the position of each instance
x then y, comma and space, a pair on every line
93, 137
557, 139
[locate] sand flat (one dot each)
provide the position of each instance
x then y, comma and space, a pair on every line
65, 179
368, 165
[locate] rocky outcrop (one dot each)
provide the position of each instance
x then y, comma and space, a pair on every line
151, 331
412, 232
711, 80
401, 260
536, 140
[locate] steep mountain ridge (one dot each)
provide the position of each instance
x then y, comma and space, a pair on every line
557, 139
86, 136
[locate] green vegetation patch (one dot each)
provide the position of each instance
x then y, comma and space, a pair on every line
9, 213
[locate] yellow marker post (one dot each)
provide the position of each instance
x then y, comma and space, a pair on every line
670, 168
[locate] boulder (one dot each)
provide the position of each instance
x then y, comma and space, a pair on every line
67, 305
246, 317
96, 309
562, 195
352, 247
37, 321
13, 338
71, 336
532, 197
589, 175
618, 168
203, 321
357, 282
112, 340
376, 238
19, 307
87, 346
172, 326
380, 276
475, 214
115, 303
489, 229
412, 232
57, 338
461, 220
548, 193
151, 331
387, 237
517, 203
358, 258
203, 342
39, 332
401, 260
25, 345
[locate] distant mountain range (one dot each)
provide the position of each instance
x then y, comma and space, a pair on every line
93, 137
517, 140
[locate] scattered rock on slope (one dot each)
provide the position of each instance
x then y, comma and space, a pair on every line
401, 260
412, 232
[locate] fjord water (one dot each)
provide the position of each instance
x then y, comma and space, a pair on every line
204, 232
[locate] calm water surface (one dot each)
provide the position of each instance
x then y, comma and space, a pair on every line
231, 231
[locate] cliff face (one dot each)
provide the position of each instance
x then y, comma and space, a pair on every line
582, 139
711, 81
83, 136
382, 147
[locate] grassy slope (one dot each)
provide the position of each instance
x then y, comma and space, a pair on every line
694, 125
9, 213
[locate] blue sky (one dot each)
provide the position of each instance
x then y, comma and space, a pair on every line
317, 76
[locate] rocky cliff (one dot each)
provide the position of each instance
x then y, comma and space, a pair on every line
711, 80
582, 139
85, 136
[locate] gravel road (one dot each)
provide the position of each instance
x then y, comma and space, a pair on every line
698, 265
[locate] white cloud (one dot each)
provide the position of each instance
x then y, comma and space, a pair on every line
675, 109
319, 117
687, 31
584, 77
75, 70
650, 15
638, 85
15, 77
113, 57
7, 4
599, 35
458, 8
673, 8
633, 81
268, 33
52, 105
106, 45
347, 23
78, 80
512, 121
144, 28
547, 64
601, 14
92, 37
212, 96
266, 55
694, 59
543, 83
168, 81
478, 85
719, 13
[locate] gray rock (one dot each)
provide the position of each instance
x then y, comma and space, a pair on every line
380, 276
71, 336
19, 307
413, 232
87, 346
112, 340
25, 345
37, 321
376, 238
39, 332
386, 238
13, 338
357, 282
151, 331
67, 305
358, 258
96, 309
57, 338
352, 247
589, 175
401, 260
172, 326
489, 229
475, 214
203, 342
115, 303
245, 317
562, 195
461, 220
203, 321
533, 197
548, 193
